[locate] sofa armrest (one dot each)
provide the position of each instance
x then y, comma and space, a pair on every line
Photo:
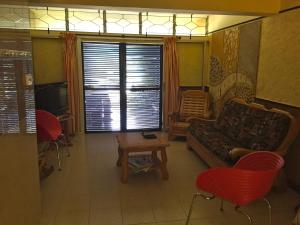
236, 153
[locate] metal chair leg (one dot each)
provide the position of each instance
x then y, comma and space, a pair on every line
222, 205
270, 210
237, 208
192, 204
58, 156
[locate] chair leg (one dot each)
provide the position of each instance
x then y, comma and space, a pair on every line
58, 156
192, 204
270, 210
191, 209
64, 143
222, 205
237, 208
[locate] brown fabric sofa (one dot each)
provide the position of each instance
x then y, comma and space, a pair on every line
241, 128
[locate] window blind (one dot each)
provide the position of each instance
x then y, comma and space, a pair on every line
102, 86
143, 75
122, 86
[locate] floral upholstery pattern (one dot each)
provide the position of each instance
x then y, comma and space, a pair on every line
213, 139
239, 125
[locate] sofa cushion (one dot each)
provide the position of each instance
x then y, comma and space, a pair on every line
263, 130
213, 140
230, 120
253, 128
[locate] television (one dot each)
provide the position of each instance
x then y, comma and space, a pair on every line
52, 97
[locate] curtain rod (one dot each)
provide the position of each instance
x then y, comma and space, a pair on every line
120, 37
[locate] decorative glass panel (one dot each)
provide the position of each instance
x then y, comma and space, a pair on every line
89, 20
15, 18
190, 24
43, 18
122, 22
157, 23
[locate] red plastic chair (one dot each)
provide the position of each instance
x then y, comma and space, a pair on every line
49, 129
249, 179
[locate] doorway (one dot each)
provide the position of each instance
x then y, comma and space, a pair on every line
122, 85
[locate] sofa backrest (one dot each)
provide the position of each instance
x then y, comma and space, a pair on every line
252, 125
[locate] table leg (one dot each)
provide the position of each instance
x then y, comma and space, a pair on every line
119, 161
124, 166
154, 156
163, 166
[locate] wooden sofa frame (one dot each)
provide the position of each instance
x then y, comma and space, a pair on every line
213, 161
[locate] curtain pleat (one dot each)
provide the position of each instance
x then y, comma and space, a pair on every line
171, 79
70, 70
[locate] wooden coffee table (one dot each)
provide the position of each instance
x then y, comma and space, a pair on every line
135, 142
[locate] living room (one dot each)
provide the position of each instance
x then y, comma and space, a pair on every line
226, 50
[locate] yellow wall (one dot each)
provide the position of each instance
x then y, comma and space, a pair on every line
48, 60
287, 4
216, 22
233, 6
20, 193
279, 68
190, 57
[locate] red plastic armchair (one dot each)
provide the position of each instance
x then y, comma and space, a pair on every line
49, 129
249, 179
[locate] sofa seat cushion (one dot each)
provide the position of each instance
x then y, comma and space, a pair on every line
213, 140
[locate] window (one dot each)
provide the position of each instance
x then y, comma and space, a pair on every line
109, 21
122, 86
44, 18
14, 17
122, 22
190, 24
157, 23
88, 20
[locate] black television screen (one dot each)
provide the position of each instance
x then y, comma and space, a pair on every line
52, 98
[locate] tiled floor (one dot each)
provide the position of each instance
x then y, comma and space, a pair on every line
88, 191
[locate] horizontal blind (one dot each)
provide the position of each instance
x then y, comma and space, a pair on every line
101, 65
15, 63
102, 86
143, 66
143, 74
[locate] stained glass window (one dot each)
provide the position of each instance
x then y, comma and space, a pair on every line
190, 24
88, 20
44, 18
14, 17
157, 23
122, 22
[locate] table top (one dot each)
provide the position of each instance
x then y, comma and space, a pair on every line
135, 141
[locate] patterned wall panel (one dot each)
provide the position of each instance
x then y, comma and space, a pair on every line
234, 63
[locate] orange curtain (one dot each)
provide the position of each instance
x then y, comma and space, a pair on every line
171, 79
70, 69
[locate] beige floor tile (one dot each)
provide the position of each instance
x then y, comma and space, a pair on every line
72, 218
89, 189
103, 199
167, 213
109, 216
137, 215
173, 222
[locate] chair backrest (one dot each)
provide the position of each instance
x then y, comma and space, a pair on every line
251, 178
194, 103
260, 160
48, 126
